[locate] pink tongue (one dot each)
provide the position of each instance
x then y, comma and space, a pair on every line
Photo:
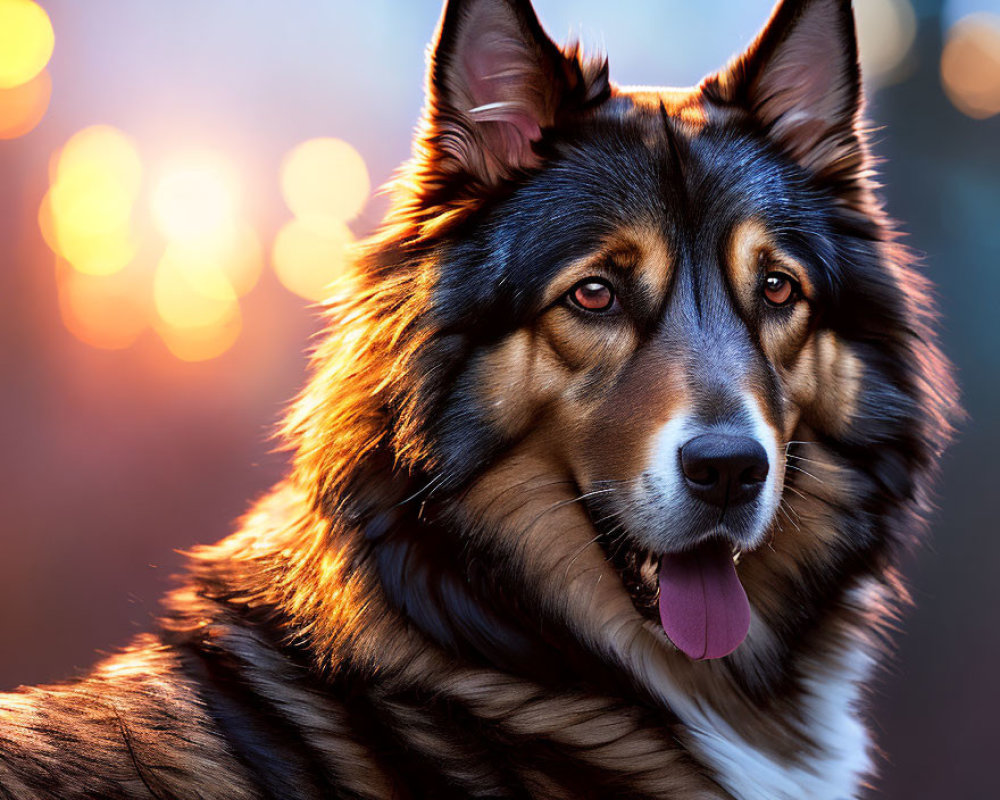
703, 607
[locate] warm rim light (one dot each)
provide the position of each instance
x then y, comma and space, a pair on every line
26, 41
325, 179
970, 65
194, 203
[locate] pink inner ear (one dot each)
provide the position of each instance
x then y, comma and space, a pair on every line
516, 130
805, 90
805, 82
502, 86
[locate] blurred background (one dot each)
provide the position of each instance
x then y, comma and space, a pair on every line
178, 182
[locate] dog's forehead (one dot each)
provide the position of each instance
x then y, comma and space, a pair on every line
686, 106
621, 171
653, 161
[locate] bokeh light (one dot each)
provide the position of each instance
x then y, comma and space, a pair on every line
23, 107
86, 216
102, 443
233, 254
100, 253
325, 183
197, 309
107, 297
887, 30
211, 256
90, 201
307, 258
325, 179
100, 148
26, 41
194, 202
202, 342
97, 254
191, 294
104, 311
970, 65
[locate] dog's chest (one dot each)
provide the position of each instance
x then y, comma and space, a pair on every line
830, 717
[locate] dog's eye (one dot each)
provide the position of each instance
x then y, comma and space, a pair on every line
593, 294
780, 289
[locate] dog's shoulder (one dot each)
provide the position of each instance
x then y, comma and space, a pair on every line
136, 726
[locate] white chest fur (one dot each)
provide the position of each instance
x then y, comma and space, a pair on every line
830, 715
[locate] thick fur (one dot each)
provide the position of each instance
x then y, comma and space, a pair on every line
453, 592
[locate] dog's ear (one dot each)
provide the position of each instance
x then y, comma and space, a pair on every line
496, 82
801, 80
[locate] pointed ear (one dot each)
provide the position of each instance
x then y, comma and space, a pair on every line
496, 82
801, 80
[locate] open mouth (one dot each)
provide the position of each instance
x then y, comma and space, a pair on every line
696, 595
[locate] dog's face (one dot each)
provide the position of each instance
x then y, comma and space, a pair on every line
666, 342
653, 278
634, 307
663, 345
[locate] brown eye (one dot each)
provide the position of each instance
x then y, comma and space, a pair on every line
780, 289
593, 294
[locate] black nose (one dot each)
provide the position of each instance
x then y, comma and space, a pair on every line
724, 470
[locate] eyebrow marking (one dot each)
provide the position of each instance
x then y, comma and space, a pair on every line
748, 240
639, 250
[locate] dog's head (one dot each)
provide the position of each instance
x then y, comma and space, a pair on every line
659, 328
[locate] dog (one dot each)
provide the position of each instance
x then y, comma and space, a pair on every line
600, 483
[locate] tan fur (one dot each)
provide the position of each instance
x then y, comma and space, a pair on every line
138, 715
349, 639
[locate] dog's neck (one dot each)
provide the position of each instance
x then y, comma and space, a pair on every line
326, 579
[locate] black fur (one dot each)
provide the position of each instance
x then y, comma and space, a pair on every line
378, 629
